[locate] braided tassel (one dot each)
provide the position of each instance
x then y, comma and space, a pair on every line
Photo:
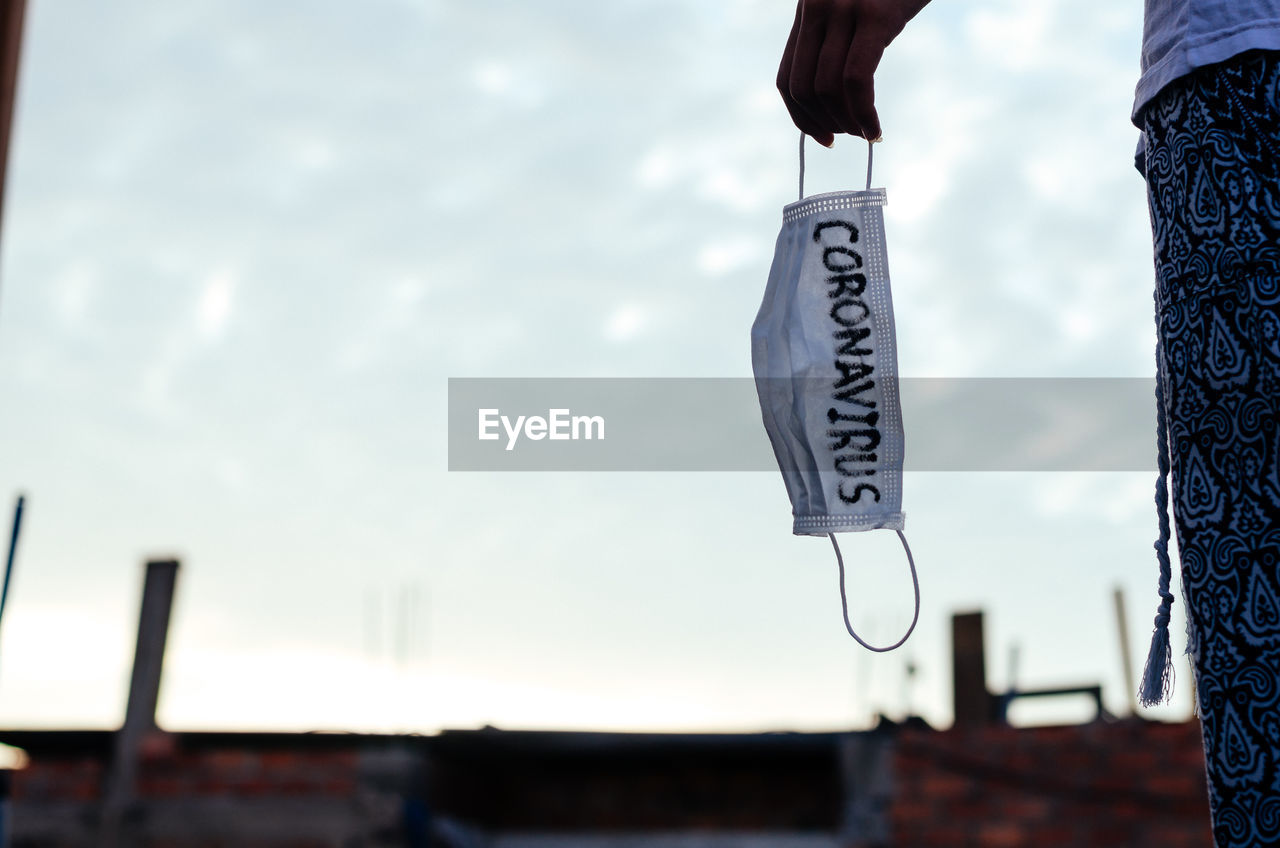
1157, 677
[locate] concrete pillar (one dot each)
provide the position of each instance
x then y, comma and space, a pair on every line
972, 701
144, 693
866, 772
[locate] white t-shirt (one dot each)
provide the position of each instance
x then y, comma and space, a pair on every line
1182, 35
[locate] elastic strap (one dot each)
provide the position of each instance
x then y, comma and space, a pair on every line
1157, 677
870, 154
801, 166
844, 601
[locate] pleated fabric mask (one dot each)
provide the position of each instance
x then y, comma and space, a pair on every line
824, 355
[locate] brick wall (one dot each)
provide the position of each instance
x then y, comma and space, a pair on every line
1129, 784
234, 773
286, 791
58, 778
249, 774
1126, 784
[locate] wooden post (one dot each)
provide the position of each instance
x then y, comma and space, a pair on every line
1126, 659
12, 13
972, 702
144, 693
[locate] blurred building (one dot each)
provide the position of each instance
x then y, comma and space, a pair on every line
1127, 783
1107, 783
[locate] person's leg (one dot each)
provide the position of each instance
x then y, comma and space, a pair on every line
1213, 178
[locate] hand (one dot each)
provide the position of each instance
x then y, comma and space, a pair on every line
827, 70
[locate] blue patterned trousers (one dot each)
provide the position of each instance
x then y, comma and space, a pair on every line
1213, 183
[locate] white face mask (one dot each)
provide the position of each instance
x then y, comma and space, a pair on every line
826, 367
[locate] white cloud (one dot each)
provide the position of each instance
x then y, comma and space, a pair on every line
316, 154
742, 173
657, 168
1013, 37
731, 187
626, 322
1079, 324
1115, 497
74, 291
216, 302
231, 473
917, 190
721, 257
408, 290
500, 80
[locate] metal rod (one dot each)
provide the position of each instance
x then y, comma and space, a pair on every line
13, 550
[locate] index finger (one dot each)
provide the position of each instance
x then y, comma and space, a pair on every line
865, 52
796, 76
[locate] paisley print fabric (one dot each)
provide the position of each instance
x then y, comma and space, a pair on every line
1213, 185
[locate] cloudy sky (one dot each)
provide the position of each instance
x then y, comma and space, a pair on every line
245, 246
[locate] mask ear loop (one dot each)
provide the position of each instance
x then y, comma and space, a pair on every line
870, 156
844, 601
801, 167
